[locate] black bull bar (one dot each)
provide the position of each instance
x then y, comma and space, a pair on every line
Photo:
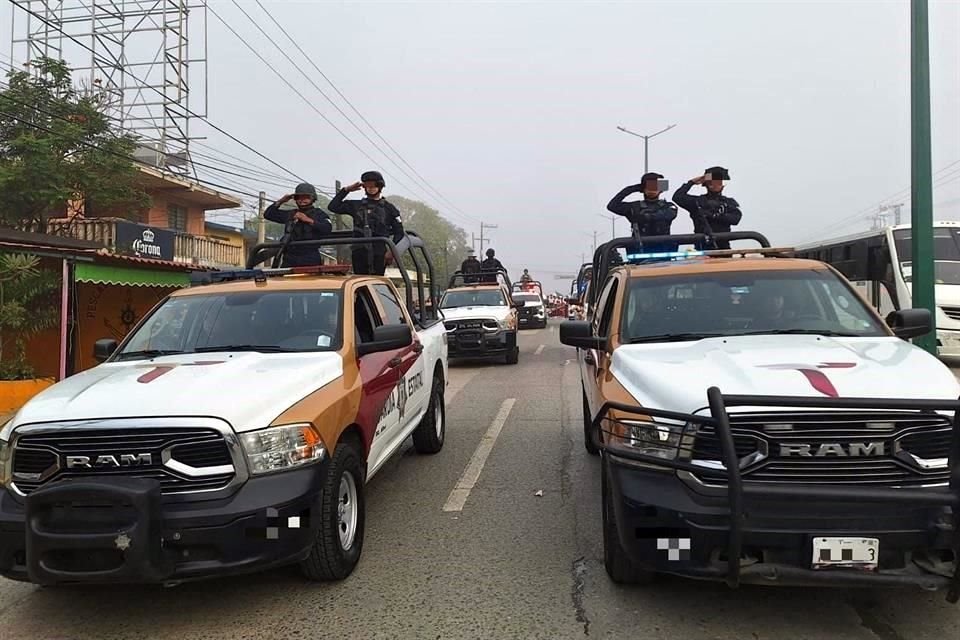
740, 493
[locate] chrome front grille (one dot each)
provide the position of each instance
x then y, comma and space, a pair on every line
183, 459
880, 448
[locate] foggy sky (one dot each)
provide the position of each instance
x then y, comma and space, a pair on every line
510, 109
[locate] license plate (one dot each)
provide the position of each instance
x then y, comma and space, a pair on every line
851, 553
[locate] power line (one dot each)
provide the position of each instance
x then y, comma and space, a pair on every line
144, 84
301, 96
119, 155
355, 110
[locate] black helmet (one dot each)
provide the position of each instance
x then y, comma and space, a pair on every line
652, 175
717, 173
305, 189
373, 176
491, 253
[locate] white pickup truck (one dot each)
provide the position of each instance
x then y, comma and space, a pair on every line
233, 430
760, 423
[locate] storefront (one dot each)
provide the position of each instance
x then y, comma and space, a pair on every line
98, 294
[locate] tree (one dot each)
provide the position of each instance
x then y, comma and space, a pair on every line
446, 242
58, 146
27, 307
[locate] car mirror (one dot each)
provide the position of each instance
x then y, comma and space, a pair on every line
104, 348
910, 323
579, 334
387, 338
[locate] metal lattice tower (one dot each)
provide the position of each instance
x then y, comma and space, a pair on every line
143, 52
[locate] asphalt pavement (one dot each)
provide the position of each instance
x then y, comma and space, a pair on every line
497, 536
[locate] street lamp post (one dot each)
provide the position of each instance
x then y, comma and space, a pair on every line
646, 143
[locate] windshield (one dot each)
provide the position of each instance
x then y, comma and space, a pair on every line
742, 303
946, 253
251, 320
483, 298
527, 297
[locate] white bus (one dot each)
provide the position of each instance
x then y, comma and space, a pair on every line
878, 263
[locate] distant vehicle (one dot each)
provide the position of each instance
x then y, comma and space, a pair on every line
234, 429
533, 315
481, 317
879, 264
760, 423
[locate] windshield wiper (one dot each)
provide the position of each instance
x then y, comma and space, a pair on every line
807, 332
670, 337
147, 353
266, 348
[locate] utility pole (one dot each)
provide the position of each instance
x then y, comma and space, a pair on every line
482, 227
921, 200
646, 143
261, 221
896, 210
613, 224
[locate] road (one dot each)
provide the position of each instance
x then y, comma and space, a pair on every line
509, 564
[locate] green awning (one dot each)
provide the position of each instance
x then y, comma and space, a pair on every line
103, 274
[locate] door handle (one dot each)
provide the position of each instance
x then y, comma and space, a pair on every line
395, 362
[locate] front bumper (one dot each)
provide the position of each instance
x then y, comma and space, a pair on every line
763, 532
776, 540
479, 343
526, 320
948, 343
121, 530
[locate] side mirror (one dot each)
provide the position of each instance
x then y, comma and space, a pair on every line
104, 348
579, 334
910, 323
387, 338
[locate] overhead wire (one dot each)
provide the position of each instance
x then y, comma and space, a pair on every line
305, 99
312, 63
145, 85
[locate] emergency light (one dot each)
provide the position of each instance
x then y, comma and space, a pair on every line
665, 254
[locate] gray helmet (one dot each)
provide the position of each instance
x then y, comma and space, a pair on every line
305, 189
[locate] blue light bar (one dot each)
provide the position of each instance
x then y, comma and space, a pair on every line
664, 254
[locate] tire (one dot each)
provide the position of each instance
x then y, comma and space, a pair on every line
430, 433
333, 556
618, 564
588, 430
513, 357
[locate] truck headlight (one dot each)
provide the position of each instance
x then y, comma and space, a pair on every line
657, 439
6, 455
284, 447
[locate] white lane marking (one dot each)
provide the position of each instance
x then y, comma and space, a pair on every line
566, 362
458, 497
539, 350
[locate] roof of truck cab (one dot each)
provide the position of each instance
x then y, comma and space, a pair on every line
475, 287
692, 266
284, 283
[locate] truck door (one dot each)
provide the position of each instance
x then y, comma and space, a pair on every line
413, 385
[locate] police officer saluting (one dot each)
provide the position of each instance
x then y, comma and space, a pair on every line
305, 223
711, 212
374, 217
651, 216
